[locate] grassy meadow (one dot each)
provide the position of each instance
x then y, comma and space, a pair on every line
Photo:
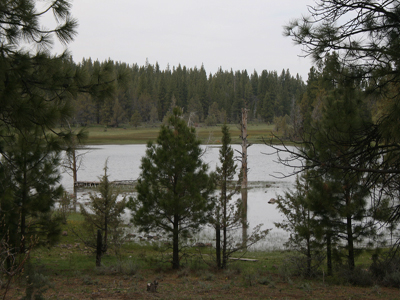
67, 271
99, 135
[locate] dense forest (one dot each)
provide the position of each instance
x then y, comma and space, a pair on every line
147, 93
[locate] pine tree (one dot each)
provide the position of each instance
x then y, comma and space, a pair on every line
299, 221
335, 26
34, 86
136, 119
30, 160
227, 214
103, 213
174, 187
340, 196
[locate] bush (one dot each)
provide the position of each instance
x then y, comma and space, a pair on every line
265, 280
296, 265
124, 267
250, 277
128, 267
359, 277
36, 284
387, 270
392, 279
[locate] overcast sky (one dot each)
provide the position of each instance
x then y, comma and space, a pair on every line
232, 34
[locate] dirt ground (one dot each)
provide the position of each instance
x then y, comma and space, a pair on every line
190, 286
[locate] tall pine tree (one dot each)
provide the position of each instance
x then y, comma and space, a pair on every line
174, 187
227, 213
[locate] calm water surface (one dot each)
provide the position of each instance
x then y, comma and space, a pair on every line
124, 164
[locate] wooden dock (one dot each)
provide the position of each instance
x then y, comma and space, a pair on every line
93, 184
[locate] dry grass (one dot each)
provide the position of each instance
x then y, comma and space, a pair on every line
141, 135
196, 285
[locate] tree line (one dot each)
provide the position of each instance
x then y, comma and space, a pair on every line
147, 94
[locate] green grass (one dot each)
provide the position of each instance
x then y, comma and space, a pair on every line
141, 135
71, 267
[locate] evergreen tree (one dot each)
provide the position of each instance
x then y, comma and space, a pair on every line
30, 160
153, 115
372, 59
174, 186
267, 112
227, 214
339, 197
300, 222
213, 115
195, 108
103, 213
347, 209
136, 119
118, 114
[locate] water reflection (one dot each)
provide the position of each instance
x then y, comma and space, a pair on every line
124, 164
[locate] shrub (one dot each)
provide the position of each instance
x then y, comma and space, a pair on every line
296, 265
250, 277
36, 284
359, 276
386, 271
128, 267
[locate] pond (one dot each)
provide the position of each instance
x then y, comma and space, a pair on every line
265, 178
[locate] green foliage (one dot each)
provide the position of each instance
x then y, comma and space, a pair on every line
104, 213
36, 284
36, 91
355, 95
34, 87
250, 277
174, 186
31, 188
359, 276
227, 212
300, 222
64, 206
335, 26
210, 120
335, 191
136, 119
216, 99
122, 266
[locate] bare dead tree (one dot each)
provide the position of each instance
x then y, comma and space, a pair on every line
243, 172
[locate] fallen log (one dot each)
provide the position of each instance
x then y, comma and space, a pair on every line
244, 259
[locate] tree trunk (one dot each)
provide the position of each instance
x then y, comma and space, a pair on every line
218, 245
350, 243
308, 239
349, 228
244, 172
23, 233
225, 221
24, 201
308, 256
75, 177
99, 248
105, 235
329, 253
175, 244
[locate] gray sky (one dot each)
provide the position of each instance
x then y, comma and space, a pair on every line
232, 34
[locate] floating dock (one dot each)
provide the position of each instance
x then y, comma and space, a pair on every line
90, 184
